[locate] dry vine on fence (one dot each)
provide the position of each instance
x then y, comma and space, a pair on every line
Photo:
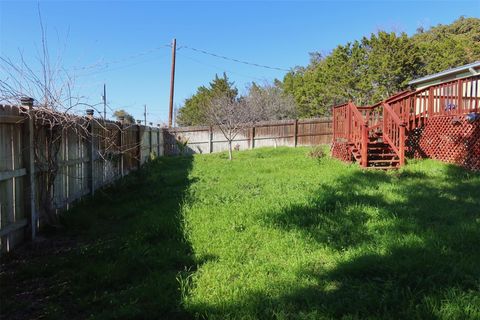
55, 114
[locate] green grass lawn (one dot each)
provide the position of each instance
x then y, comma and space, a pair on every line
272, 234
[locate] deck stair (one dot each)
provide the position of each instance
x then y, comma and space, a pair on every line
367, 133
376, 136
380, 155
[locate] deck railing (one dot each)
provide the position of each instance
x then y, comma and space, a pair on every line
358, 133
349, 126
340, 122
457, 97
394, 132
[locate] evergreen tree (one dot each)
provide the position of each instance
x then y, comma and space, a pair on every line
371, 69
447, 46
127, 117
193, 111
392, 62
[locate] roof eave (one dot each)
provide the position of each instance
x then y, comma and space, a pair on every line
469, 67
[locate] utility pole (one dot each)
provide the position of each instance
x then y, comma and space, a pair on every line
104, 101
172, 82
145, 114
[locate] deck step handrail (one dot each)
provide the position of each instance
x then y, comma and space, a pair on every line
358, 137
394, 131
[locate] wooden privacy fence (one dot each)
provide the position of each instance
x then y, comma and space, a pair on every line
85, 163
292, 133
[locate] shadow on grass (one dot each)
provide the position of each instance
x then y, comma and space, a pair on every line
413, 243
131, 254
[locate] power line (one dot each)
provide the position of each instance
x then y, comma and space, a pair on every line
105, 66
130, 57
220, 68
107, 69
232, 59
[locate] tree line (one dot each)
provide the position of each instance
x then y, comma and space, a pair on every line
364, 71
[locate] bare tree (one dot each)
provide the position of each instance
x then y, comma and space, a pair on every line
231, 116
269, 102
56, 101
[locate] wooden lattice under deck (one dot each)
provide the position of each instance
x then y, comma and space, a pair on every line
451, 139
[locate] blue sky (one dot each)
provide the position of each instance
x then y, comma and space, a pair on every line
124, 43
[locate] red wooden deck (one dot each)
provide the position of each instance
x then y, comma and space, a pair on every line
437, 122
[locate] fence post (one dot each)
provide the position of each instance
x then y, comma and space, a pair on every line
252, 143
103, 149
121, 119
150, 139
295, 133
139, 142
30, 166
158, 140
210, 139
91, 178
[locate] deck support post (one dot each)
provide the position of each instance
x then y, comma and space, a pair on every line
349, 121
401, 149
431, 103
334, 120
365, 145
460, 96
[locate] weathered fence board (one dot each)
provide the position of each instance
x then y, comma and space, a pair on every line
203, 139
12, 173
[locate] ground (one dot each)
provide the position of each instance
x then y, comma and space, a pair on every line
272, 234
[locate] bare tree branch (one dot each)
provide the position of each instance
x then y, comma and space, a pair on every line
231, 116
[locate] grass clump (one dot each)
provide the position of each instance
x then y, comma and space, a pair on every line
270, 235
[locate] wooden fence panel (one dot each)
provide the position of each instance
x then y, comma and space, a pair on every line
314, 131
219, 143
196, 139
130, 148
154, 140
12, 175
305, 132
275, 133
161, 142
145, 138
111, 138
